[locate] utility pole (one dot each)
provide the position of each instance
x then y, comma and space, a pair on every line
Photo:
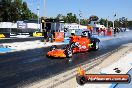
114, 20
107, 22
44, 13
80, 13
38, 18
113, 23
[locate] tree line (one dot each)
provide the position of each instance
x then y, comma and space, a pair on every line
72, 18
14, 10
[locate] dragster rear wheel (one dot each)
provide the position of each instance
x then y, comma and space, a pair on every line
53, 47
96, 46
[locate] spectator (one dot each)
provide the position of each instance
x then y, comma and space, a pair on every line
91, 30
114, 31
51, 35
104, 31
99, 31
53, 32
45, 33
118, 30
72, 32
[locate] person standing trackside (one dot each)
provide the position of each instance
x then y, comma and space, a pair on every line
114, 31
45, 35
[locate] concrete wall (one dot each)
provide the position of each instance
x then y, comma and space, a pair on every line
15, 25
33, 26
8, 25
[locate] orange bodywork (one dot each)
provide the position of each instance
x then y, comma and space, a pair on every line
75, 38
84, 41
57, 53
84, 46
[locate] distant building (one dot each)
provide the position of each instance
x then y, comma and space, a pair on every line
95, 24
74, 28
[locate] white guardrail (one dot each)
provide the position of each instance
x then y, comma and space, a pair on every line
19, 35
17, 25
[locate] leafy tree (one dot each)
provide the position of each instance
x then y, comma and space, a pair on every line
129, 24
93, 18
103, 22
110, 23
123, 22
25, 11
60, 16
14, 10
33, 16
5, 8
70, 18
84, 22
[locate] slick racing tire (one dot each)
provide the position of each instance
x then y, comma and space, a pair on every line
96, 46
53, 47
81, 80
69, 52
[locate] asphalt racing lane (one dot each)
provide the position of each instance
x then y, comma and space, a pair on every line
22, 68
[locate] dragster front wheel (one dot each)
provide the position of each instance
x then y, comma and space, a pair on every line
69, 52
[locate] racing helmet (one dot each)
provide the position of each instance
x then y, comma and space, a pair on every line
85, 33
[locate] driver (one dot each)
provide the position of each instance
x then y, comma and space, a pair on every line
86, 34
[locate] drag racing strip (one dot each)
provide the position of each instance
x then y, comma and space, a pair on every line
27, 45
27, 68
59, 79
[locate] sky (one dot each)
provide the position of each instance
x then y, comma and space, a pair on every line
101, 8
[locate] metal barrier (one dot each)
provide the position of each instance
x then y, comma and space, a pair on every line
37, 34
4, 35
20, 35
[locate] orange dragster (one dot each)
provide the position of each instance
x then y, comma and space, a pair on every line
77, 44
